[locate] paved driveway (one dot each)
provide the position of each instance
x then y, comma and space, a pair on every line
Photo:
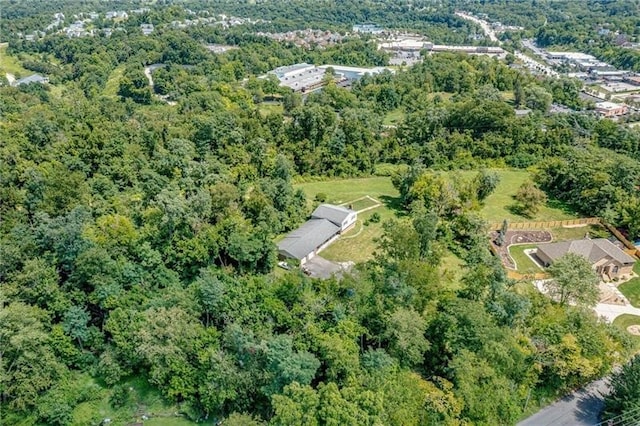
580, 408
319, 267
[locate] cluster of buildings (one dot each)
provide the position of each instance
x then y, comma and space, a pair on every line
81, 25
305, 78
408, 49
217, 20
367, 29
306, 38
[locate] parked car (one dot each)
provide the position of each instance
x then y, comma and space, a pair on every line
284, 265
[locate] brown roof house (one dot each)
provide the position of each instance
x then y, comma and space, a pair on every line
607, 259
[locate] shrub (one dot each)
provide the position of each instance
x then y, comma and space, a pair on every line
321, 197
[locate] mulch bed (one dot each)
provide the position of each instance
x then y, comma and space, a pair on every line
517, 237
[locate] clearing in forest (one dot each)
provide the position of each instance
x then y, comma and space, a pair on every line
357, 244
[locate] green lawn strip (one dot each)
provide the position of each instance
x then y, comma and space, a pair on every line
624, 321
361, 204
394, 117
631, 289
10, 64
524, 264
113, 82
270, 108
594, 231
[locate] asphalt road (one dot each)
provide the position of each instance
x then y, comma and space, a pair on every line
580, 408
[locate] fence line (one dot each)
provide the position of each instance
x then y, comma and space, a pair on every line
544, 225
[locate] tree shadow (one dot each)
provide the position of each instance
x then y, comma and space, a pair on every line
560, 205
518, 210
394, 204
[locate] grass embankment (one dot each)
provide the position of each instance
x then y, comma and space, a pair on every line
113, 82
394, 117
10, 64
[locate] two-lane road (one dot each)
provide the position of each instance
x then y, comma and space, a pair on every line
580, 408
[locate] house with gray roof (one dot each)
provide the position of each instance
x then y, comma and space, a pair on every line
608, 260
325, 226
339, 216
34, 78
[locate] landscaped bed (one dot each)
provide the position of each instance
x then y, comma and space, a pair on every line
517, 237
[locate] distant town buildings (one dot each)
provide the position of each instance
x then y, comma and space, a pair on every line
407, 49
367, 29
306, 78
117, 14
306, 38
146, 29
611, 109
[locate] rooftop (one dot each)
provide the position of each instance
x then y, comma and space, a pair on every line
334, 214
593, 250
307, 238
608, 105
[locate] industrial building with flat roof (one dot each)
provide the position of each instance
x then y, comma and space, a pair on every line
306, 77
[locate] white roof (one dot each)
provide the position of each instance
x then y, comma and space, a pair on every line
608, 105
332, 213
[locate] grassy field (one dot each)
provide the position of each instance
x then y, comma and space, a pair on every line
10, 64
358, 244
362, 204
143, 399
631, 289
624, 321
498, 206
594, 231
270, 108
393, 117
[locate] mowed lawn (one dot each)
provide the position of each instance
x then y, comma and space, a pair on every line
624, 321
498, 205
358, 244
10, 64
524, 264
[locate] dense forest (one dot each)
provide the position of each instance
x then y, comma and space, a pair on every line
137, 235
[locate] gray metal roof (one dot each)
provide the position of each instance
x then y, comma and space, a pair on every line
335, 214
593, 250
34, 78
307, 238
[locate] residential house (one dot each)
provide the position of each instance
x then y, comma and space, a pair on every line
607, 259
325, 226
34, 78
146, 29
